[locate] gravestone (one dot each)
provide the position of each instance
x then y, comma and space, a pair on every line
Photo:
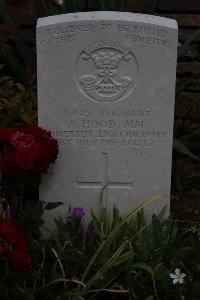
106, 89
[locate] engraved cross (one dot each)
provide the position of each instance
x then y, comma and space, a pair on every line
105, 181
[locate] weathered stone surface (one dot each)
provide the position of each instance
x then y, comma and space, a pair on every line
106, 85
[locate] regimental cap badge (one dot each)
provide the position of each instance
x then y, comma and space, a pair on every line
107, 64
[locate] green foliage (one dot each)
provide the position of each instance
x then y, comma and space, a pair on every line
185, 138
50, 7
102, 4
25, 56
18, 103
121, 259
180, 147
31, 215
13, 63
184, 47
122, 5
150, 6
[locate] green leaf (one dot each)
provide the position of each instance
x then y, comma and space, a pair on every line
42, 10
69, 4
183, 49
122, 5
143, 244
150, 6
26, 117
58, 280
33, 205
101, 4
180, 147
123, 258
140, 219
52, 9
157, 231
114, 260
116, 218
25, 51
180, 87
116, 230
149, 270
4, 289
149, 297
21, 87
162, 213
13, 64
52, 205
4, 78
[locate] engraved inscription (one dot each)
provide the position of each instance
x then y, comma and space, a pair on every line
137, 39
67, 34
106, 27
110, 129
144, 30
71, 28
106, 71
146, 35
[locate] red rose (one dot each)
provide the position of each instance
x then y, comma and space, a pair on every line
12, 232
26, 157
4, 247
6, 134
8, 165
52, 146
31, 149
22, 140
48, 154
13, 239
20, 260
36, 131
43, 162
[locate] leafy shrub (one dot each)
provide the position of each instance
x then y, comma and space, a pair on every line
111, 258
18, 103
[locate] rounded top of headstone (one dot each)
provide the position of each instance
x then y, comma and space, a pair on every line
107, 15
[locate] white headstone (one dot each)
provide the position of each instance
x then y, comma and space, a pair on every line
106, 89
